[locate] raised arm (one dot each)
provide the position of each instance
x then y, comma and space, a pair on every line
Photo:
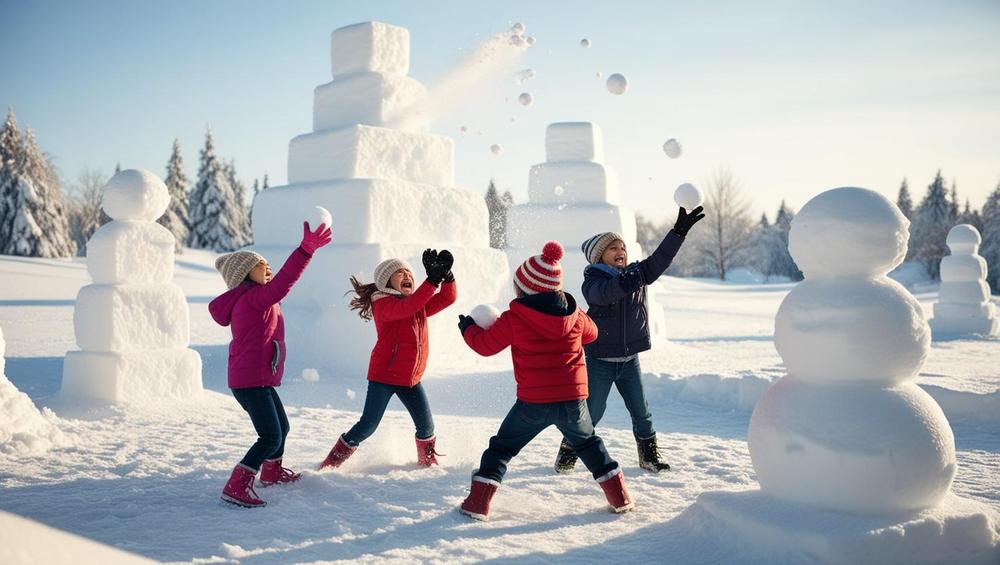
488, 342
390, 309
264, 296
443, 299
658, 261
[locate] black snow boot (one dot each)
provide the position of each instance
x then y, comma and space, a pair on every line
650, 458
566, 459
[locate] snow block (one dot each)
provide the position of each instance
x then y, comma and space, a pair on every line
946, 323
963, 268
964, 292
131, 316
577, 182
371, 152
374, 210
138, 377
374, 99
573, 141
125, 251
531, 225
369, 47
135, 194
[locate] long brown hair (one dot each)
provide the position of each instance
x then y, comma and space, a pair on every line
362, 301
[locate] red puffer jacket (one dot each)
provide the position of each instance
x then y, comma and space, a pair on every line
400, 353
546, 334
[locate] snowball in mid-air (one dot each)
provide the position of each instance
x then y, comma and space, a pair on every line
584, 42
599, 74
530, 40
688, 196
518, 28
464, 129
558, 190
518, 41
672, 148
310, 375
485, 315
525, 99
496, 149
524, 75
319, 216
617, 84
135, 194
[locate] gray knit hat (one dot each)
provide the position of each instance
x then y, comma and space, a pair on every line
385, 270
236, 266
594, 247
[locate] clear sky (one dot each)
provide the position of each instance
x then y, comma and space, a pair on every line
795, 97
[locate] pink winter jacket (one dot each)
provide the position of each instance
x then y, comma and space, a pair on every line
257, 352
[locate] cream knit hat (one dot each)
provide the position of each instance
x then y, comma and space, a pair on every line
236, 266
385, 270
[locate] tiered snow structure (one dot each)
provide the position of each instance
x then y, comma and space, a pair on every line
390, 190
23, 429
964, 306
572, 196
132, 324
854, 460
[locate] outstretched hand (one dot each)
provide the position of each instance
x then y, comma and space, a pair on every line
313, 240
687, 219
429, 259
464, 322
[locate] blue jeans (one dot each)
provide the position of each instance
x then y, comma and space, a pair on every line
525, 421
626, 376
413, 399
269, 420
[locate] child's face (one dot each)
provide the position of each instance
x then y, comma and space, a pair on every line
261, 273
615, 255
402, 280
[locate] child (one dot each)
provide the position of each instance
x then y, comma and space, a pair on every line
400, 354
257, 356
615, 291
546, 332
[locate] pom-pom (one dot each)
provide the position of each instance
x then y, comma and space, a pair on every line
552, 251
485, 315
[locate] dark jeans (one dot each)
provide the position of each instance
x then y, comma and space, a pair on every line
525, 421
269, 419
626, 376
413, 399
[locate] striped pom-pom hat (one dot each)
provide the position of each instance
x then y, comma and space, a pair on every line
594, 247
541, 273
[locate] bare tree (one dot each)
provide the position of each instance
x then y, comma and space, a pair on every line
727, 222
85, 197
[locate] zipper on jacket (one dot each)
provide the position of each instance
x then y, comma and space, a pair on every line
624, 325
277, 357
392, 357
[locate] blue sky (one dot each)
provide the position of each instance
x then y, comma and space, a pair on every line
794, 97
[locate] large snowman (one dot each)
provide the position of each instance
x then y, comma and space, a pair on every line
847, 429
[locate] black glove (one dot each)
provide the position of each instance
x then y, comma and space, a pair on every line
445, 261
631, 279
464, 322
685, 220
430, 258
432, 266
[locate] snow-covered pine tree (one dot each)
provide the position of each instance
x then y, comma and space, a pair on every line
497, 217
990, 249
904, 201
240, 193
257, 189
784, 265
933, 219
216, 218
761, 237
970, 216
954, 201
10, 160
176, 217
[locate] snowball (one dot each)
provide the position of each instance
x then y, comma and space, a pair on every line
126, 251
617, 84
688, 196
525, 75
581, 181
573, 141
672, 148
851, 330
525, 99
518, 41
558, 190
369, 47
464, 129
136, 377
375, 99
135, 194
599, 74
310, 375
964, 238
496, 149
120, 317
848, 231
852, 449
485, 315
584, 42
351, 394
319, 216
530, 40
517, 28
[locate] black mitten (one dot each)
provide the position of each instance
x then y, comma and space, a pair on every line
631, 279
432, 266
445, 261
464, 322
685, 220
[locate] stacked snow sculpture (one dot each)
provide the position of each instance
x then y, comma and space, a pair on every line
390, 188
132, 323
572, 196
23, 429
964, 306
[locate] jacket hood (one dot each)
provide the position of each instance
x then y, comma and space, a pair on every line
552, 314
222, 307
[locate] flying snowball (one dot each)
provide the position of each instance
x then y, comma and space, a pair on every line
464, 129
688, 196
672, 148
496, 149
530, 40
558, 190
517, 28
320, 216
485, 315
599, 74
517, 41
525, 99
584, 42
525, 75
310, 375
617, 84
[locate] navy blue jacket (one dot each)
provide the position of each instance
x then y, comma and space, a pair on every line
621, 316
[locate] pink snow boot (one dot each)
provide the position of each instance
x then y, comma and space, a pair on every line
426, 455
272, 473
477, 504
239, 489
338, 454
618, 497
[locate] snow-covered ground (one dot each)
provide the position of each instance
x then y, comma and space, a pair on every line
148, 480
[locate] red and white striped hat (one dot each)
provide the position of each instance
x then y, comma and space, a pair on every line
541, 273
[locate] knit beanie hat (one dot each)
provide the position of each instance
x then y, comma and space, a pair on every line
236, 266
385, 270
541, 273
594, 247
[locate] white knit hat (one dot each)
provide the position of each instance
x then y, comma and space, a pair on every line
594, 247
236, 266
385, 270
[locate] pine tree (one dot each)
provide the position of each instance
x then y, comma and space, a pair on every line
10, 162
904, 202
217, 219
240, 193
783, 263
934, 217
954, 201
497, 207
176, 217
970, 216
990, 249
265, 185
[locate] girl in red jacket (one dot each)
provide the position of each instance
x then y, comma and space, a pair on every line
400, 309
257, 356
545, 332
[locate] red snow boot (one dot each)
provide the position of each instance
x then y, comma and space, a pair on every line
338, 454
614, 490
239, 489
426, 455
272, 473
477, 504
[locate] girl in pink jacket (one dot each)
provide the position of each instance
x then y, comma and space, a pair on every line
257, 356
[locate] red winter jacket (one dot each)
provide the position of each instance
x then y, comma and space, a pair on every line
400, 353
257, 352
546, 334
